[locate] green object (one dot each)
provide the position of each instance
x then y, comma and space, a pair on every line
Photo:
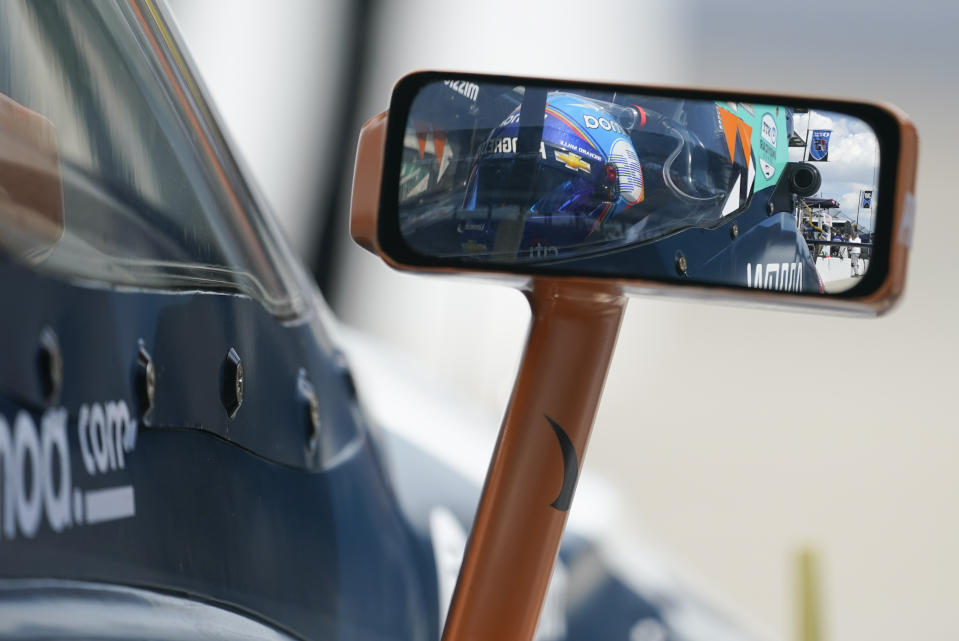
767, 136
808, 611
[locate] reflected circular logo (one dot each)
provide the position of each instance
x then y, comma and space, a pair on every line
769, 131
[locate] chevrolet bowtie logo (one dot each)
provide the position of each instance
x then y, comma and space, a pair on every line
572, 161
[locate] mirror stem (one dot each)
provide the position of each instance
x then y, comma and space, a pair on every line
529, 486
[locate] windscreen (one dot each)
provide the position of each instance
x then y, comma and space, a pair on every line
111, 170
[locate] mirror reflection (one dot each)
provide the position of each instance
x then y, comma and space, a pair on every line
639, 186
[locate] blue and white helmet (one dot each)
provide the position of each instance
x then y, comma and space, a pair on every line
587, 171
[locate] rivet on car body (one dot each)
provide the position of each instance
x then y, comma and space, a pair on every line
145, 378
232, 382
734, 231
50, 361
308, 400
681, 263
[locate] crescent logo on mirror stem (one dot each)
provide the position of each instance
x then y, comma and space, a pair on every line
570, 468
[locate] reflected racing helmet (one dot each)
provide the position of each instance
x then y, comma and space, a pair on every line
585, 172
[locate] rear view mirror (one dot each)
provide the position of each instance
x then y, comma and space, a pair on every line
650, 188
581, 192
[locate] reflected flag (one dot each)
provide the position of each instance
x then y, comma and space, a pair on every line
866, 199
819, 147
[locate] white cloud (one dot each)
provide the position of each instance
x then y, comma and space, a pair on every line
849, 204
852, 147
852, 165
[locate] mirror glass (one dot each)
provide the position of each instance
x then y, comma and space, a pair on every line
592, 182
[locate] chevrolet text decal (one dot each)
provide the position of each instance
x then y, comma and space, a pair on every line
38, 483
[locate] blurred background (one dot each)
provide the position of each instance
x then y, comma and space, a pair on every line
734, 436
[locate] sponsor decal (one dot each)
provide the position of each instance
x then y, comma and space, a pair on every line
819, 147
512, 119
571, 160
539, 250
499, 145
768, 131
469, 90
463, 227
786, 277
767, 169
38, 484
506, 145
592, 122
581, 151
